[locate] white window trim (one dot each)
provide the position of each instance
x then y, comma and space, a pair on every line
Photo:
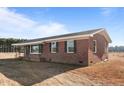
33, 52
95, 46
67, 46
51, 47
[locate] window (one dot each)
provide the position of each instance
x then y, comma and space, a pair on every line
53, 47
94, 46
70, 46
34, 49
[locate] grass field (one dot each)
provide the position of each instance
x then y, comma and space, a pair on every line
14, 72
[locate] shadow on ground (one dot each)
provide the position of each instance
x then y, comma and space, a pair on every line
30, 73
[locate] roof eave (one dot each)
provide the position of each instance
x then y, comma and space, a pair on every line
56, 39
104, 30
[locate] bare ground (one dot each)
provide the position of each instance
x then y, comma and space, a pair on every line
14, 72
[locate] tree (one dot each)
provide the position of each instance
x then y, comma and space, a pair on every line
6, 44
116, 49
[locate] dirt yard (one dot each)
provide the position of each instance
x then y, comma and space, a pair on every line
10, 55
14, 72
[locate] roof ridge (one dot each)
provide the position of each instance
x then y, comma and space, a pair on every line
70, 33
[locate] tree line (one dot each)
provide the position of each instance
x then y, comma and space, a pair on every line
6, 44
116, 49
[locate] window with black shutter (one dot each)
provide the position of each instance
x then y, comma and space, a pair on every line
54, 47
94, 46
71, 46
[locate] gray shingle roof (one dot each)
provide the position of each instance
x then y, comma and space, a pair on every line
65, 35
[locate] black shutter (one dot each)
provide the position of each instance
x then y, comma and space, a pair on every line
40, 48
57, 46
65, 46
75, 46
28, 49
50, 47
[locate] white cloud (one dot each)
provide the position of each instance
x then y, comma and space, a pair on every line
51, 29
16, 25
107, 11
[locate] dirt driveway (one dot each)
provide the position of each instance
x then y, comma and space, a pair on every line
14, 72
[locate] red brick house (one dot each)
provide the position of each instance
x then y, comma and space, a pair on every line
83, 48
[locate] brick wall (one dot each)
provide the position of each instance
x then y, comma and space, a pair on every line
83, 56
100, 55
80, 57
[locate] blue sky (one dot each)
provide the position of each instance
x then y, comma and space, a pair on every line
40, 22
